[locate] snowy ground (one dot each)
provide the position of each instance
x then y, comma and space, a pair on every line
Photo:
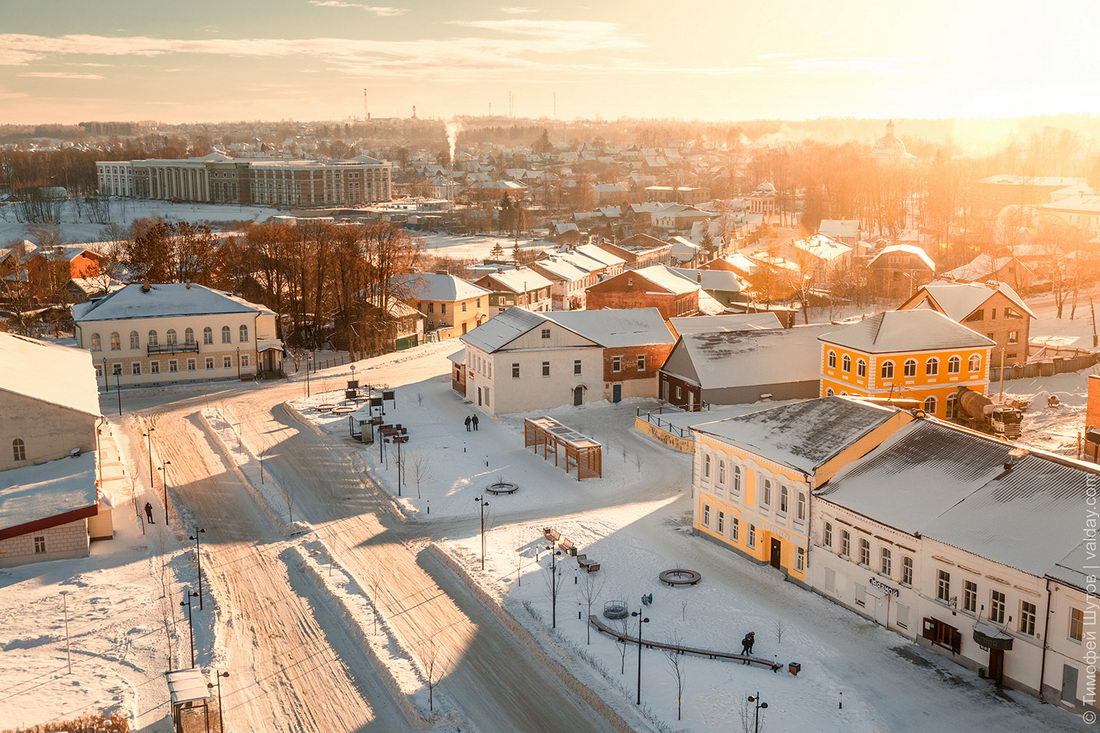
1052, 428
476, 246
78, 228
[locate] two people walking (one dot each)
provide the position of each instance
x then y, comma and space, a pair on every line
747, 644
471, 423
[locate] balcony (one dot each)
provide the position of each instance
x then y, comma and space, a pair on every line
156, 349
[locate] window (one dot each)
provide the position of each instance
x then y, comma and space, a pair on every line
190, 365
932, 366
1027, 618
977, 315
244, 360
907, 570
546, 369
997, 606
800, 515
954, 364
737, 479
943, 586
18, 450
930, 405
546, 333
227, 335
909, 369
641, 362
431, 308
706, 515
173, 366
464, 304
752, 535
861, 368
974, 363
1076, 624
97, 345
722, 473
949, 406
189, 336
832, 359
970, 596
116, 343
576, 366
170, 337
616, 363
208, 335
227, 362
886, 561
846, 363
135, 368
209, 362
800, 559
515, 370
734, 527
154, 367
783, 496
244, 334
829, 392
706, 466
1013, 337
845, 543
721, 522
827, 535
135, 340
887, 370
864, 551
116, 370
152, 339
39, 544
767, 493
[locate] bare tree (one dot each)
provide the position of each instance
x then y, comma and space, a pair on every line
434, 668
624, 628
778, 627
421, 465
675, 661
591, 589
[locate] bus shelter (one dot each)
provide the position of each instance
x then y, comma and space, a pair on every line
571, 450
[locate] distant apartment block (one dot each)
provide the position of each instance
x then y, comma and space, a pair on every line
220, 179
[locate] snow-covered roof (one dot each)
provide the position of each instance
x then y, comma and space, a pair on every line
34, 493
502, 329
910, 249
440, 286
959, 300
559, 267
607, 328
724, 358
982, 267
162, 300
600, 255
803, 435
742, 263
711, 279
666, 278
952, 485
906, 331
732, 322
823, 247
53, 374
519, 280
839, 228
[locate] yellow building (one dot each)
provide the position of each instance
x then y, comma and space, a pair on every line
754, 475
451, 306
912, 354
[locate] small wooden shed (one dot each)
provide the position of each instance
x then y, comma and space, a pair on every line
570, 449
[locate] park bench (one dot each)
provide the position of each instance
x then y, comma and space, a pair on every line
568, 547
550, 534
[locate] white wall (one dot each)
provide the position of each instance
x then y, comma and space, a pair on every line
531, 390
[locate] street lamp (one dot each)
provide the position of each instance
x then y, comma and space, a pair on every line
118, 390
149, 448
164, 485
218, 678
188, 595
554, 552
238, 363
198, 560
481, 505
641, 620
309, 358
759, 706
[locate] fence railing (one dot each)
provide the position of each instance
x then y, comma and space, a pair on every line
653, 417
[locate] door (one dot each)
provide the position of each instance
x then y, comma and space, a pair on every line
776, 553
997, 666
1069, 684
691, 401
578, 396
479, 396
617, 393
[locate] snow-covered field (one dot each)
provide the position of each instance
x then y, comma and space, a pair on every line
77, 228
1052, 428
476, 246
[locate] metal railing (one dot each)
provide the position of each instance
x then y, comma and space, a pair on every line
191, 347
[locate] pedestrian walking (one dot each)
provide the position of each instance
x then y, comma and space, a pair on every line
752, 640
475, 423
468, 423
149, 513
746, 646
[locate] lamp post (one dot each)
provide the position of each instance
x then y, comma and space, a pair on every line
164, 485
554, 552
755, 699
65, 610
238, 363
218, 679
188, 595
118, 390
149, 449
481, 505
198, 560
309, 358
641, 620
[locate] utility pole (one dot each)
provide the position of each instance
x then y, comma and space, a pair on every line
481, 505
218, 677
149, 447
118, 391
188, 595
164, 485
641, 620
554, 552
198, 560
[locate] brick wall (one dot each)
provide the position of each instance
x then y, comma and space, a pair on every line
62, 542
627, 291
655, 356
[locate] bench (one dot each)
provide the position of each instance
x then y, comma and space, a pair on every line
582, 560
593, 567
551, 535
568, 547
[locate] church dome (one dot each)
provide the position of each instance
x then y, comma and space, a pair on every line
764, 189
889, 145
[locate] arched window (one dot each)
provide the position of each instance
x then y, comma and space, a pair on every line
97, 345
954, 364
208, 335
767, 492
930, 405
722, 473
116, 341
154, 340
949, 406
706, 466
887, 370
783, 499
244, 333
832, 359
801, 507
909, 369
135, 340
170, 337
737, 478
19, 449
188, 335
227, 335
829, 392
931, 367
861, 368
846, 363
975, 363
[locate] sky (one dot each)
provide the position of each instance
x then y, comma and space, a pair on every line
210, 60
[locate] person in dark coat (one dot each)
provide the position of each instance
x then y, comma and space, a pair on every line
467, 423
475, 422
751, 636
149, 512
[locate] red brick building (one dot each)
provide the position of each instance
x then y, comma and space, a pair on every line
651, 287
640, 250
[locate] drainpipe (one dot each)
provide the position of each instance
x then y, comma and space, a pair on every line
1046, 627
810, 526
